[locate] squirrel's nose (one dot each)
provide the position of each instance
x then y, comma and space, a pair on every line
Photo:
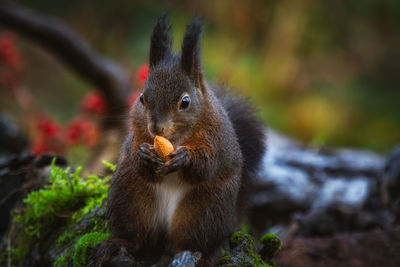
156, 128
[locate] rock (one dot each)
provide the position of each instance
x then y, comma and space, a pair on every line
335, 219
390, 187
311, 183
20, 174
185, 259
13, 176
377, 211
12, 140
122, 259
374, 248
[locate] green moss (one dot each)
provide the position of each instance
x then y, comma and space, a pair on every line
58, 207
272, 245
110, 166
269, 237
63, 261
68, 193
83, 246
245, 228
94, 224
96, 228
240, 238
242, 252
100, 225
67, 236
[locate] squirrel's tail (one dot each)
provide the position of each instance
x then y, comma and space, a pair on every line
249, 130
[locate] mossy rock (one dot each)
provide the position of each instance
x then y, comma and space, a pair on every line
271, 246
83, 246
93, 227
243, 252
62, 220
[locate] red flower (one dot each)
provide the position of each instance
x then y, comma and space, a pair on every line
48, 136
94, 103
9, 54
82, 131
141, 74
48, 127
11, 64
74, 133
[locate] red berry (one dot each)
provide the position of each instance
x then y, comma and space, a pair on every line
48, 127
142, 73
94, 103
82, 131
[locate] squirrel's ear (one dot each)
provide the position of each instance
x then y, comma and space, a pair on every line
190, 58
161, 41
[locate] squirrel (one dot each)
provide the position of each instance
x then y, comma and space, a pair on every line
189, 201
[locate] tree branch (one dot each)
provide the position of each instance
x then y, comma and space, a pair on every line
67, 45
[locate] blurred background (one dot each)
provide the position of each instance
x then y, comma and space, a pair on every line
325, 72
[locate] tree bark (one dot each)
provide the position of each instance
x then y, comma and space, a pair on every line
68, 46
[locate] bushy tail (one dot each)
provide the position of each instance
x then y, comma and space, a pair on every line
249, 130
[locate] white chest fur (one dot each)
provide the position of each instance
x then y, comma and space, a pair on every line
168, 194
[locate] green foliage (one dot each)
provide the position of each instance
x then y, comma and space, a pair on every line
66, 201
83, 245
109, 165
68, 193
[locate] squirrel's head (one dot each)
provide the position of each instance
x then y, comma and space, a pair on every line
173, 94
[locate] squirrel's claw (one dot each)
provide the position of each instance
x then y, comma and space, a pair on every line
147, 153
177, 159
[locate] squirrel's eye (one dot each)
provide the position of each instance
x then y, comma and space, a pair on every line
185, 102
141, 98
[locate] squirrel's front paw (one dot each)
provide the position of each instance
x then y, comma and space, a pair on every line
147, 153
176, 160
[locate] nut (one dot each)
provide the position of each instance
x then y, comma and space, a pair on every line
163, 147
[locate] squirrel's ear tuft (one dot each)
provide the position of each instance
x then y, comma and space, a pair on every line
190, 58
161, 41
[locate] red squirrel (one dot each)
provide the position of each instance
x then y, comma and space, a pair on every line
189, 201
